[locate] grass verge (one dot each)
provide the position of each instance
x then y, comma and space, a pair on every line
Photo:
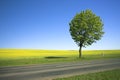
105, 75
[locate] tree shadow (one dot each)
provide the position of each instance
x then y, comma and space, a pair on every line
54, 57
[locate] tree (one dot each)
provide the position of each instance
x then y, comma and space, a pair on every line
85, 29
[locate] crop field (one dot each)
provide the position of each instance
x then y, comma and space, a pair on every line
12, 57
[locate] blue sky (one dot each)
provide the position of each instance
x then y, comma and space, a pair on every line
44, 24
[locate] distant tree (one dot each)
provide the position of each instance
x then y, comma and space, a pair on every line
85, 29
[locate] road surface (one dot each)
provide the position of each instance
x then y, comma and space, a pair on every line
50, 71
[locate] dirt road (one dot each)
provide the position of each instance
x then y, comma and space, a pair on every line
50, 71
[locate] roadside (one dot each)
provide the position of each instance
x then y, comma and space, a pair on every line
50, 71
113, 74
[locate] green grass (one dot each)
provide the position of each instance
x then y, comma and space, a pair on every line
105, 75
13, 57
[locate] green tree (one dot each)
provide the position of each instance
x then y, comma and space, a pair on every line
85, 29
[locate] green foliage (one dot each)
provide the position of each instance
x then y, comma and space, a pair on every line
86, 28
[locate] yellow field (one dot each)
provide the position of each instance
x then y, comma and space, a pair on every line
14, 53
12, 57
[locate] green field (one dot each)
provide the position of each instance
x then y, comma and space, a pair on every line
105, 75
12, 57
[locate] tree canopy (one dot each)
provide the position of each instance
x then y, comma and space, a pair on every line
86, 28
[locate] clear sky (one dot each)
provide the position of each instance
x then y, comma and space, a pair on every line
44, 24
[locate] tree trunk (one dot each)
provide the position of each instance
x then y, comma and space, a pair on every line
80, 51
